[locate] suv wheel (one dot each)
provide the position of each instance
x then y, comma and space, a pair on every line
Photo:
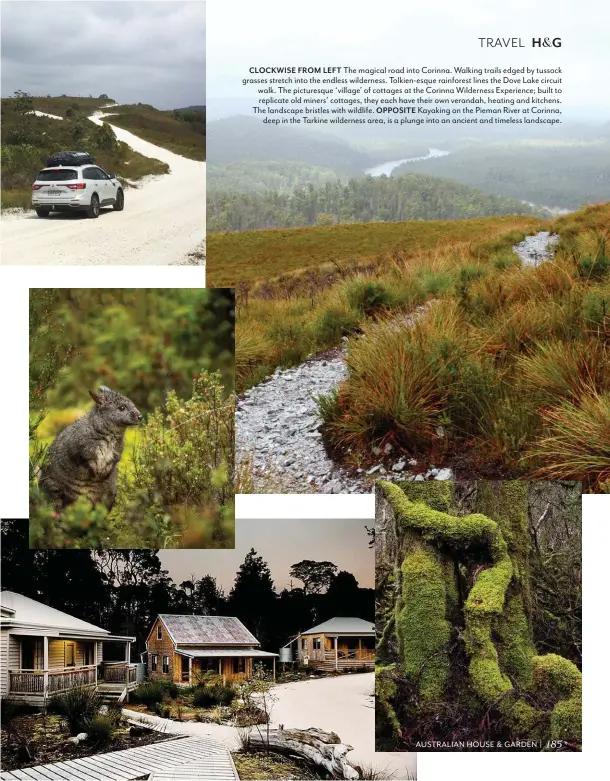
120, 202
43, 212
94, 209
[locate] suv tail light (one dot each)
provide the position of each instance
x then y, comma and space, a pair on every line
36, 186
79, 186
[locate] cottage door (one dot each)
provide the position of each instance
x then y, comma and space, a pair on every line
185, 669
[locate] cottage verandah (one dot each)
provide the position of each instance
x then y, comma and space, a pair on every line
44, 652
337, 644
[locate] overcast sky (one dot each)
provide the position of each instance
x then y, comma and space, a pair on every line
135, 52
281, 544
436, 33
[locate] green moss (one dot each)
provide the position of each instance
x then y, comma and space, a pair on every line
553, 673
566, 720
385, 690
554, 676
470, 532
437, 494
497, 632
514, 642
422, 628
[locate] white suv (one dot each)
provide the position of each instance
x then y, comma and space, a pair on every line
76, 188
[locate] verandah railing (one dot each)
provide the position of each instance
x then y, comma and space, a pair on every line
53, 681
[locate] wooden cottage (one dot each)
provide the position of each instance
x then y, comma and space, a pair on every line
45, 652
182, 648
337, 644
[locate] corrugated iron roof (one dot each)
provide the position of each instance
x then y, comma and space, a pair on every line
342, 625
213, 630
255, 653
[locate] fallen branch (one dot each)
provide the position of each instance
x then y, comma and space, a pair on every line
320, 749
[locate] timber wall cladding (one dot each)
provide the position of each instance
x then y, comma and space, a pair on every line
161, 648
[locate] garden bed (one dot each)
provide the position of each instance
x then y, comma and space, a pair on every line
36, 739
252, 766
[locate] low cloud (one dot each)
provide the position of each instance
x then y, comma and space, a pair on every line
148, 52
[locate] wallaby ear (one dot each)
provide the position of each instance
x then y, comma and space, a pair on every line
96, 397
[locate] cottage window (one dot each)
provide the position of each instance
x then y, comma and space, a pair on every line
165, 664
303, 643
316, 644
31, 654
239, 665
159, 634
153, 663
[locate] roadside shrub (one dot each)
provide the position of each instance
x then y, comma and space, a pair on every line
367, 296
77, 707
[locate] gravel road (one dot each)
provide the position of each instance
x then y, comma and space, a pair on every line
161, 224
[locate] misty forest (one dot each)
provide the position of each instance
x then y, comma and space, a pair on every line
288, 177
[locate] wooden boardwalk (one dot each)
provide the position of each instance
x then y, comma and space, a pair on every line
199, 758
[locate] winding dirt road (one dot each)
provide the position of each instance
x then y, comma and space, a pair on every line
163, 221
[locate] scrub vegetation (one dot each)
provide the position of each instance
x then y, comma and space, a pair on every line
172, 353
505, 373
462, 606
181, 131
28, 140
458, 354
313, 257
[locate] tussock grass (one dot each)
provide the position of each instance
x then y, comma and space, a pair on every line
254, 256
508, 364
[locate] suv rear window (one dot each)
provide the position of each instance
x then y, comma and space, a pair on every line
58, 175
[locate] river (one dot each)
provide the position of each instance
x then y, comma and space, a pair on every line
385, 169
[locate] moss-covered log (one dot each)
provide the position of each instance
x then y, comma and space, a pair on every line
464, 586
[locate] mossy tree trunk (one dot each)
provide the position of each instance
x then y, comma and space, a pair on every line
454, 591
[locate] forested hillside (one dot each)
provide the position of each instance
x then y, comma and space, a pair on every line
566, 174
258, 177
246, 139
379, 199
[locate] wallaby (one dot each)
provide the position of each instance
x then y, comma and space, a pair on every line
82, 461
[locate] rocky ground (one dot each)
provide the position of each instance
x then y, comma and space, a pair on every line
278, 426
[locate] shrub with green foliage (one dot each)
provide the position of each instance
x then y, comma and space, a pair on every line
78, 707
